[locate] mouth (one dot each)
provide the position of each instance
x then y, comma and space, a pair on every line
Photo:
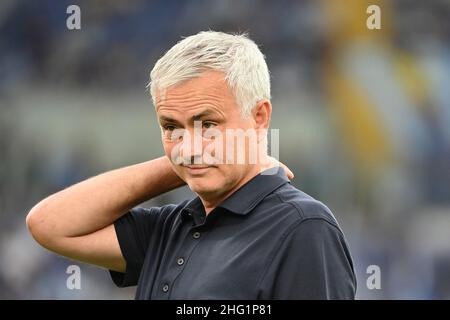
197, 169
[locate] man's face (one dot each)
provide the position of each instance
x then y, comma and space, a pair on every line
207, 103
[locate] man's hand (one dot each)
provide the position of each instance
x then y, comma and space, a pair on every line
271, 162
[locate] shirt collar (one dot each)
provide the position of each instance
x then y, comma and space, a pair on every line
247, 197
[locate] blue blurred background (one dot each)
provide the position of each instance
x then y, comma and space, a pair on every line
364, 119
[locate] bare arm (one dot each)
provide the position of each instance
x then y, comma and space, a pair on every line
77, 222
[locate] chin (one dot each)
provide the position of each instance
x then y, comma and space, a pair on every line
203, 187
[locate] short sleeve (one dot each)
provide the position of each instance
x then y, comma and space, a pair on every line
313, 262
133, 232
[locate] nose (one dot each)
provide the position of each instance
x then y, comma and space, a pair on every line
191, 149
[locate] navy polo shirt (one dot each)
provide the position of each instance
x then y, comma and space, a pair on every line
268, 240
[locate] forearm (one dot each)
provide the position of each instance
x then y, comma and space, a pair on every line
97, 202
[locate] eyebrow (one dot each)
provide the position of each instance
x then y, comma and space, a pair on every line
195, 117
166, 119
202, 114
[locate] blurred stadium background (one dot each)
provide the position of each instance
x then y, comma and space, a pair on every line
364, 118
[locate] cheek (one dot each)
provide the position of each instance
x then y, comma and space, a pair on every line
169, 149
225, 173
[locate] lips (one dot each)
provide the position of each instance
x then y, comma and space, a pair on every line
196, 169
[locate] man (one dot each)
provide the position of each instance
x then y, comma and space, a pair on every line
248, 235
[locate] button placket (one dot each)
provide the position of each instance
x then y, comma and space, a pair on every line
181, 257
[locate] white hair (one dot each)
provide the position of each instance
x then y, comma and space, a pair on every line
238, 57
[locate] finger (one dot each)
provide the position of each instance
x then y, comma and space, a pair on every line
289, 174
288, 171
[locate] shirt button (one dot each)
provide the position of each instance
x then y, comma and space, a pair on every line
180, 261
196, 235
165, 288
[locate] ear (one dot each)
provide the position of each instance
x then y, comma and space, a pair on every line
262, 114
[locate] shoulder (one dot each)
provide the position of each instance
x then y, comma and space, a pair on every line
295, 206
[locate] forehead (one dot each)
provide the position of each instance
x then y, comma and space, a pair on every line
210, 88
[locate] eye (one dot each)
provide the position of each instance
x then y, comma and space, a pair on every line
169, 127
208, 124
